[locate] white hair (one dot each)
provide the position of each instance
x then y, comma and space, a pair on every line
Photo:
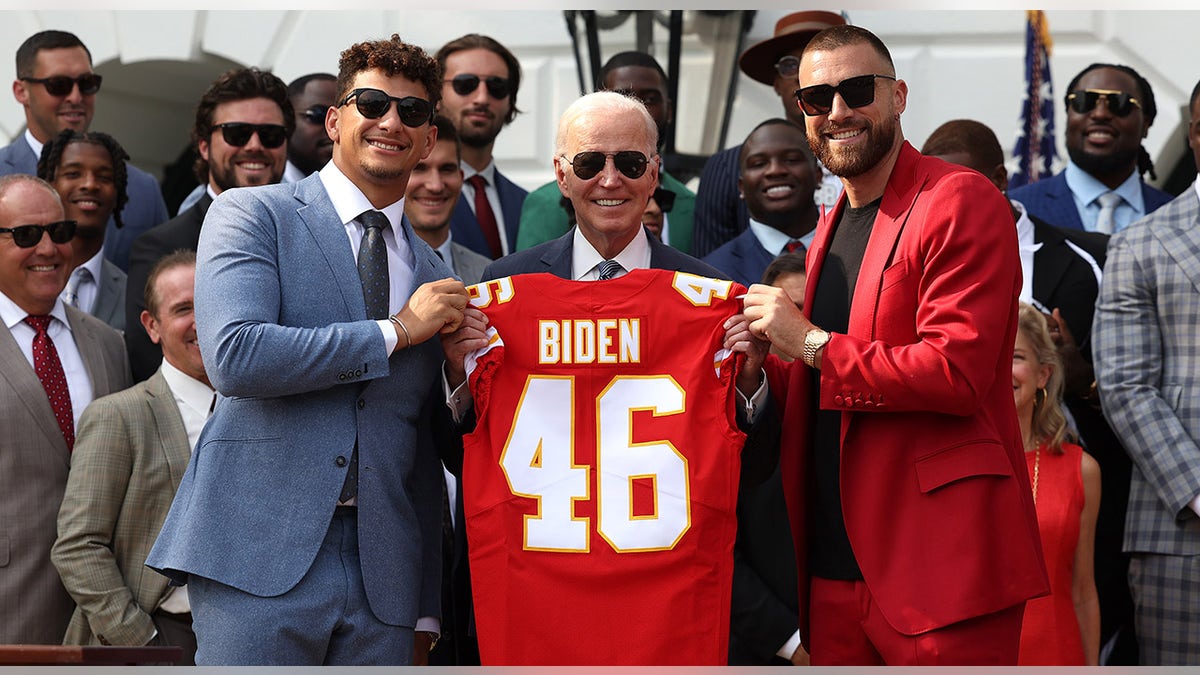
604, 102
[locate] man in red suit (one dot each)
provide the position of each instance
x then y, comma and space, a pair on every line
905, 476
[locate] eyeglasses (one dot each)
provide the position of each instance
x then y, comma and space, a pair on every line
315, 114
28, 236
787, 66
665, 199
238, 134
1083, 101
466, 83
374, 103
855, 91
61, 85
587, 165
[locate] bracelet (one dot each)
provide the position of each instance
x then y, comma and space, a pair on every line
396, 320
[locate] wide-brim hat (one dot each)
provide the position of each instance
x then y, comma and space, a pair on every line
792, 32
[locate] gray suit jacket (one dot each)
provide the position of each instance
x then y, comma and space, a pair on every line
144, 210
1147, 356
468, 264
33, 473
285, 337
110, 302
130, 453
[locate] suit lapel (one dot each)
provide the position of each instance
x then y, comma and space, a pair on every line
172, 434
1182, 240
815, 259
88, 344
21, 379
318, 215
558, 256
1060, 203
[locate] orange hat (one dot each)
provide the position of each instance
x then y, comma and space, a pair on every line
792, 32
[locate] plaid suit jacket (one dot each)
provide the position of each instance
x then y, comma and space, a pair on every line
132, 449
1147, 355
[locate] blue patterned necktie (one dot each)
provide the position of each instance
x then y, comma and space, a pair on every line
609, 269
372, 264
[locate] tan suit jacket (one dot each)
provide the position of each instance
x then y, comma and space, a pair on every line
131, 451
34, 607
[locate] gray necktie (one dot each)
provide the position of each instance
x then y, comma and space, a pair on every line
71, 295
1106, 221
609, 269
372, 264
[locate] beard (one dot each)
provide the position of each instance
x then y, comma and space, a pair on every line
478, 138
851, 162
1103, 165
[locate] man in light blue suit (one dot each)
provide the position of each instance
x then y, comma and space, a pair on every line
308, 523
57, 88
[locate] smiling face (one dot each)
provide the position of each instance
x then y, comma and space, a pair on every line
1099, 142
477, 116
47, 115
377, 155
778, 176
852, 141
85, 181
32, 277
1028, 375
230, 166
433, 190
173, 325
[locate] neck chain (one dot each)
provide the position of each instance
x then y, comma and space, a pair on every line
1037, 461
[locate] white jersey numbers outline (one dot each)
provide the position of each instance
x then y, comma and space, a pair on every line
699, 290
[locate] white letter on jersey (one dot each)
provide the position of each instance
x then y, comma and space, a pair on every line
700, 290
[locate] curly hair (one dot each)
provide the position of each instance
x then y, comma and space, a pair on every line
239, 84
1145, 97
1049, 422
394, 57
477, 41
51, 159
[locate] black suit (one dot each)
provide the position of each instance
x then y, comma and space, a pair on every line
1064, 279
180, 232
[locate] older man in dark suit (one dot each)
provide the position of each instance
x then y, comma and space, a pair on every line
54, 360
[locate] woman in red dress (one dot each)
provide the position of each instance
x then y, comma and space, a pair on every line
1062, 629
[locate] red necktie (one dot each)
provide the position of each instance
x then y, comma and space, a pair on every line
794, 245
485, 215
49, 370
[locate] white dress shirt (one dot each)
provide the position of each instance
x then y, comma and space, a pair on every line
79, 383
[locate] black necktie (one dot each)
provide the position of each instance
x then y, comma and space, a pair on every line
609, 269
372, 264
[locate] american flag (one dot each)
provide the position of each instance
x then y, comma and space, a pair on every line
1035, 151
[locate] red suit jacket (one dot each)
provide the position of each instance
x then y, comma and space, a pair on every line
934, 488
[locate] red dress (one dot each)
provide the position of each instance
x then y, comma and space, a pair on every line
1050, 632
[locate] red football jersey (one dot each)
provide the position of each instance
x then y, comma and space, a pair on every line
600, 483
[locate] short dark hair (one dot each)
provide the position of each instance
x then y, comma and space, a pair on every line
627, 59
791, 262
477, 41
774, 121
51, 159
47, 39
179, 258
394, 57
238, 84
447, 132
1145, 97
847, 35
296, 87
974, 138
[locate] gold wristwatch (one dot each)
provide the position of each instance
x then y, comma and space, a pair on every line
813, 341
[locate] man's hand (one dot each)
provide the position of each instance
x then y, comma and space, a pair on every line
435, 307
773, 316
800, 657
1078, 374
422, 643
739, 338
470, 336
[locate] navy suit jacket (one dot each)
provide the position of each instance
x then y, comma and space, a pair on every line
720, 213
305, 377
1051, 200
742, 258
464, 228
144, 210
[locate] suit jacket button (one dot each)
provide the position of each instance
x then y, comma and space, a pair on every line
340, 461
361, 404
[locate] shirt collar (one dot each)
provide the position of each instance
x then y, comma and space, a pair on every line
187, 389
350, 202
291, 173
34, 143
1024, 224
1086, 188
585, 258
488, 172
775, 241
94, 265
12, 315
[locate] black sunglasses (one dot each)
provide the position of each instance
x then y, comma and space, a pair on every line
1083, 101
665, 199
61, 85
855, 91
374, 103
238, 134
466, 83
315, 114
28, 236
787, 66
587, 165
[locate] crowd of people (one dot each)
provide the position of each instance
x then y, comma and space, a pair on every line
364, 400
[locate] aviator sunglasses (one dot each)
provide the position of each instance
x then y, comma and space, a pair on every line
464, 84
28, 236
61, 85
238, 134
855, 91
374, 103
1083, 101
587, 165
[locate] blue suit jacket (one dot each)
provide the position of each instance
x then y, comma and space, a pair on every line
464, 228
304, 376
742, 259
1051, 200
